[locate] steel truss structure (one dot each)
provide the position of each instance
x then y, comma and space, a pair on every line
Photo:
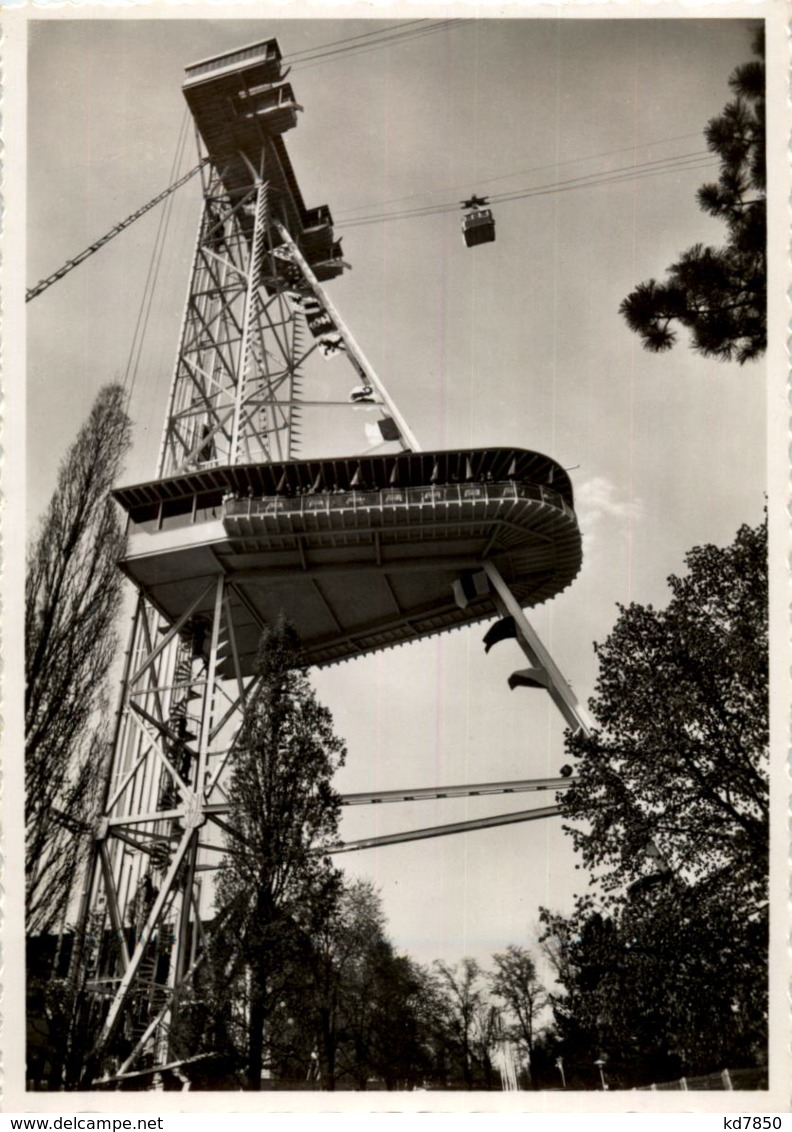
174, 735
165, 810
236, 398
256, 318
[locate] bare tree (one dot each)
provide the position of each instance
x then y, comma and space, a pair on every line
469, 1021
515, 981
72, 594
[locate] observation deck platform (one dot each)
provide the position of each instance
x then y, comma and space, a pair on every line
360, 553
241, 104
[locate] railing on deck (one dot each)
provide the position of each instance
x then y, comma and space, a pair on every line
429, 496
436, 499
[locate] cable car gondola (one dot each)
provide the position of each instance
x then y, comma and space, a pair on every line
478, 223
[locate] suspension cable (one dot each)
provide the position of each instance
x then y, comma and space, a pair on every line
155, 263
672, 164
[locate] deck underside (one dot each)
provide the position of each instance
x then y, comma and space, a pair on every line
357, 571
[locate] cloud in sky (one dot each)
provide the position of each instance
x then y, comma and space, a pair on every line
602, 508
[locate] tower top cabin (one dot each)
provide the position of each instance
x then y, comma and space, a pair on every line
241, 104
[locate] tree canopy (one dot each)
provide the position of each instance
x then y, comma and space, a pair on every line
664, 971
355, 1004
668, 982
675, 775
720, 294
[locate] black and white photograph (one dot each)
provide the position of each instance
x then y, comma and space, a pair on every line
396, 490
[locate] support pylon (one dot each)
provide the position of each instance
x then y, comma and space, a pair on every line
544, 672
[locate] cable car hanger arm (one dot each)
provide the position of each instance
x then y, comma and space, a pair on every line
362, 365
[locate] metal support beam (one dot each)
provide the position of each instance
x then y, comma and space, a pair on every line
446, 830
474, 790
562, 695
363, 365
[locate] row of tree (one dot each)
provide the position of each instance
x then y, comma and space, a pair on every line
344, 1010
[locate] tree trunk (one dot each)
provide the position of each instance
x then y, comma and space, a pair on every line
467, 1068
255, 1059
329, 1043
531, 1075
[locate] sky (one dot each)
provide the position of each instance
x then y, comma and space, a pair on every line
518, 342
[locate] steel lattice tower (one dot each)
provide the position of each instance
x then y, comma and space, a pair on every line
362, 551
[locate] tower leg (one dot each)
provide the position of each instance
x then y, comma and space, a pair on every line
178, 721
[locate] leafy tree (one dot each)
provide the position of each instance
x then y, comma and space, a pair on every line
515, 982
276, 876
341, 994
674, 779
72, 595
400, 1049
437, 1046
665, 983
720, 294
666, 971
